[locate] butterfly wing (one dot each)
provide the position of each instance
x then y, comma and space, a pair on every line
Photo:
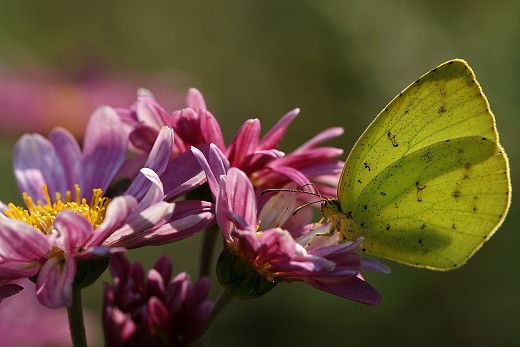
428, 182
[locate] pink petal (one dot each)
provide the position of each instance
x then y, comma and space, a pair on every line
54, 283
241, 197
22, 241
275, 135
150, 113
245, 142
211, 130
195, 100
320, 138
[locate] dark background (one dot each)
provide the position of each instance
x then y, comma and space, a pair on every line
340, 62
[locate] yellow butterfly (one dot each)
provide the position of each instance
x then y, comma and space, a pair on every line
428, 181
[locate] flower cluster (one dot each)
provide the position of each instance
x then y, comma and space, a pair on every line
154, 310
132, 183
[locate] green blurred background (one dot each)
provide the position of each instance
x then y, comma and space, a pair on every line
340, 62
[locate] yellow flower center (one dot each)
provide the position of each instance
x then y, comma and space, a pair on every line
42, 214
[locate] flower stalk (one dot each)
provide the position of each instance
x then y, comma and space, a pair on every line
76, 323
207, 250
222, 301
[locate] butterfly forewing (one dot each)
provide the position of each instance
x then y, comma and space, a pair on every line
428, 182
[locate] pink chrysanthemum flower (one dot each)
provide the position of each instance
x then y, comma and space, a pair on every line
257, 156
68, 218
153, 310
272, 254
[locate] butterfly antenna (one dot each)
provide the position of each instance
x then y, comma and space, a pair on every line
278, 222
307, 204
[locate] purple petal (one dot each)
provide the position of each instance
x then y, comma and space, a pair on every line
54, 283
118, 326
352, 288
374, 266
116, 214
35, 164
155, 284
182, 175
143, 137
137, 227
163, 266
275, 135
104, 149
157, 161
214, 166
188, 218
69, 153
155, 192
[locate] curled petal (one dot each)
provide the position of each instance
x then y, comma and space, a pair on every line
72, 231
54, 283
157, 162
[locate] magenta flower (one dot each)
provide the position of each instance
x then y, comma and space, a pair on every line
68, 219
273, 253
257, 156
153, 310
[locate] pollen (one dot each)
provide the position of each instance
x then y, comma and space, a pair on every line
41, 214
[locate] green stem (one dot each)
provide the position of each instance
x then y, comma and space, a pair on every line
76, 324
208, 246
223, 299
